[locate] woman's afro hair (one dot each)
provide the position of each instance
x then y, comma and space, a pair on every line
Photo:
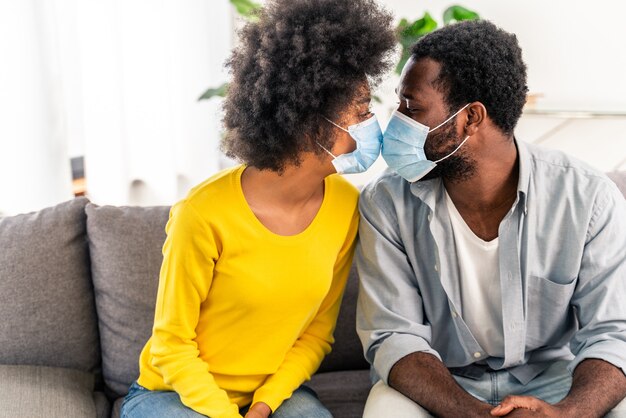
479, 62
301, 61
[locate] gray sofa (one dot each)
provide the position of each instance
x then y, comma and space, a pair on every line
77, 290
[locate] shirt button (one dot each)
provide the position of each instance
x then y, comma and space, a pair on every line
436, 268
477, 355
454, 314
430, 217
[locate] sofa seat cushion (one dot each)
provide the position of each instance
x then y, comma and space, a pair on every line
46, 296
125, 245
46, 392
344, 393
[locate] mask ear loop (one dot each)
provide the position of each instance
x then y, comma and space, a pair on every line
452, 153
450, 118
340, 127
324, 148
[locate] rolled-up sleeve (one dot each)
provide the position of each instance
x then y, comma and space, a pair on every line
601, 290
390, 314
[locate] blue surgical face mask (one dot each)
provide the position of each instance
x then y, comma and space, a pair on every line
403, 146
368, 137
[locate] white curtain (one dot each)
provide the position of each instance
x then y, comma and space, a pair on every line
34, 168
116, 81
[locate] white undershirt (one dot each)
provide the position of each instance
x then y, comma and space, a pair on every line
479, 276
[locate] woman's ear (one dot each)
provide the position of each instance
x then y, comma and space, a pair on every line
476, 115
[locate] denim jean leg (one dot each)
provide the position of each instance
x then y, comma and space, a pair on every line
551, 386
302, 403
144, 403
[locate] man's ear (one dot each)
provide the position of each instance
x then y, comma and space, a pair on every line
476, 115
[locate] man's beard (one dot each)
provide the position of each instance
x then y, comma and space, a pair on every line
457, 167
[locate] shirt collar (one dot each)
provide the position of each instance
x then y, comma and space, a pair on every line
523, 155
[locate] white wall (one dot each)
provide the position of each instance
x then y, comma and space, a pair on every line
573, 48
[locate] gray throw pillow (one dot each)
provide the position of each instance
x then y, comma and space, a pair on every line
46, 296
45, 392
125, 245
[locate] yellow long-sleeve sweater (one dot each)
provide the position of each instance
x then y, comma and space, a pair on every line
244, 315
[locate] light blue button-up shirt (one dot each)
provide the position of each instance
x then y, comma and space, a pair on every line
562, 259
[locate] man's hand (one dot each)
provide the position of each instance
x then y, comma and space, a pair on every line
525, 406
259, 410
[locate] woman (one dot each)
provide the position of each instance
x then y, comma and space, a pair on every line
257, 257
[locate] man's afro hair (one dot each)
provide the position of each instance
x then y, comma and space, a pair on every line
479, 62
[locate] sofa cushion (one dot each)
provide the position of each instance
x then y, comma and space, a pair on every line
46, 296
45, 392
125, 245
344, 393
619, 177
117, 407
347, 352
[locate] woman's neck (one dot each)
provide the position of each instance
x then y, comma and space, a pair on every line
287, 202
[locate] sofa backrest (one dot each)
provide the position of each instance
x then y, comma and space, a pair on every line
347, 352
46, 297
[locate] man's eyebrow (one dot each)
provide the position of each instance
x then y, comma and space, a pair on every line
364, 99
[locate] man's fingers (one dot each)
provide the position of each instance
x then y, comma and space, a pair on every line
512, 402
502, 410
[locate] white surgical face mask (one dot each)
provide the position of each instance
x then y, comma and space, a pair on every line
368, 137
403, 146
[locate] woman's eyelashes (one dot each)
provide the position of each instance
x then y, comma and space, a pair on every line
367, 112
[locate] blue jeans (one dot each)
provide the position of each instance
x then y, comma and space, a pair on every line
143, 403
550, 386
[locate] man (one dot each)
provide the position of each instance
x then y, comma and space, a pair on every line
491, 270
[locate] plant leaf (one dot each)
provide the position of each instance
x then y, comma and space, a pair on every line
246, 8
215, 92
458, 13
409, 33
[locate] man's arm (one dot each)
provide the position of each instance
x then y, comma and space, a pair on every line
597, 388
423, 378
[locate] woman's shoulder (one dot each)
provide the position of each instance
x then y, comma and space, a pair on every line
341, 192
342, 187
217, 191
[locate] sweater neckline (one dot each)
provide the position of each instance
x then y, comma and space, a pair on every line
251, 217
